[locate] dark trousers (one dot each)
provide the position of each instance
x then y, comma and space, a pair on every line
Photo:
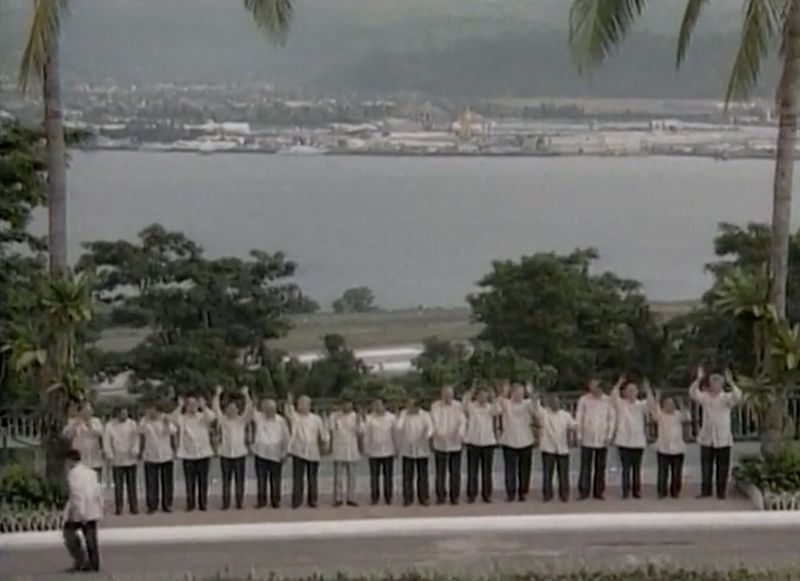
670, 475
418, 466
381, 467
631, 460
87, 559
303, 470
268, 475
159, 477
125, 478
195, 473
711, 460
552, 463
517, 463
447, 463
592, 479
479, 459
232, 472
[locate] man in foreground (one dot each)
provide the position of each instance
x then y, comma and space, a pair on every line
82, 514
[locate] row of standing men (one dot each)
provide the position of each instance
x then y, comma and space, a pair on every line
479, 422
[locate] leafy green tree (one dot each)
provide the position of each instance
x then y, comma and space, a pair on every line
355, 300
339, 373
552, 310
441, 362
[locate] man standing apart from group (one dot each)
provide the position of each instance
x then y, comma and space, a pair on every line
84, 432
82, 514
345, 427
194, 421
270, 447
157, 431
414, 432
516, 440
233, 446
121, 443
596, 420
449, 425
380, 448
716, 437
481, 441
308, 435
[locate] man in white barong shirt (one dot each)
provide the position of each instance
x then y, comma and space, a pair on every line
158, 454
270, 447
449, 426
82, 514
380, 448
194, 421
630, 438
84, 433
308, 436
481, 441
232, 423
121, 444
414, 432
516, 440
596, 420
346, 428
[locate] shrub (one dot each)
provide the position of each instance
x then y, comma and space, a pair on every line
22, 489
777, 473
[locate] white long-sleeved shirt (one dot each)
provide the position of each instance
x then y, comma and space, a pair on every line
379, 435
232, 429
194, 434
517, 418
121, 442
414, 432
631, 416
480, 423
345, 430
595, 418
157, 440
87, 438
716, 429
307, 430
449, 426
554, 428
670, 431
271, 437
85, 501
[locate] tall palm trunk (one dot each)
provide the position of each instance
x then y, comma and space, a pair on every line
56, 160
784, 162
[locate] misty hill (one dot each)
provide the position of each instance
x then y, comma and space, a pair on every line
444, 47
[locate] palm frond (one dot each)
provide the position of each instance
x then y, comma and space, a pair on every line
762, 22
597, 27
693, 10
45, 27
273, 17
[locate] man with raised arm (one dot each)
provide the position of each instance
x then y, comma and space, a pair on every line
157, 431
380, 448
556, 428
308, 437
194, 421
449, 426
716, 437
596, 420
121, 443
84, 433
414, 432
670, 445
630, 438
481, 441
233, 445
345, 427
516, 440
270, 447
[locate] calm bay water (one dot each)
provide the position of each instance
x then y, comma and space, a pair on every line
421, 231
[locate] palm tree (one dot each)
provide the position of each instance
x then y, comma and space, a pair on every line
40, 65
597, 27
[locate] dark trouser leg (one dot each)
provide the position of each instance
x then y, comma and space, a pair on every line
151, 471
203, 466
440, 468
190, 479
625, 461
338, 469
473, 457
663, 473
374, 476
454, 466
548, 468
562, 465
238, 479
226, 467
706, 470
275, 471
676, 470
486, 466
167, 473
423, 486
261, 481
92, 548
600, 458
387, 468
636, 468
722, 461
409, 465
118, 474
298, 478
72, 541
510, 467
130, 485
313, 480
525, 467
585, 477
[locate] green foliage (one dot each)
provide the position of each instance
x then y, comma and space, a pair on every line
355, 300
21, 488
779, 472
552, 310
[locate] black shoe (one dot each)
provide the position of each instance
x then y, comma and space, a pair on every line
337, 504
454, 501
407, 503
487, 499
547, 499
352, 503
373, 503
203, 508
151, 510
510, 498
523, 497
424, 503
599, 497
134, 511
166, 510
722, 496
261, 505
470, 501
439, 501
312, 504
276, 505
